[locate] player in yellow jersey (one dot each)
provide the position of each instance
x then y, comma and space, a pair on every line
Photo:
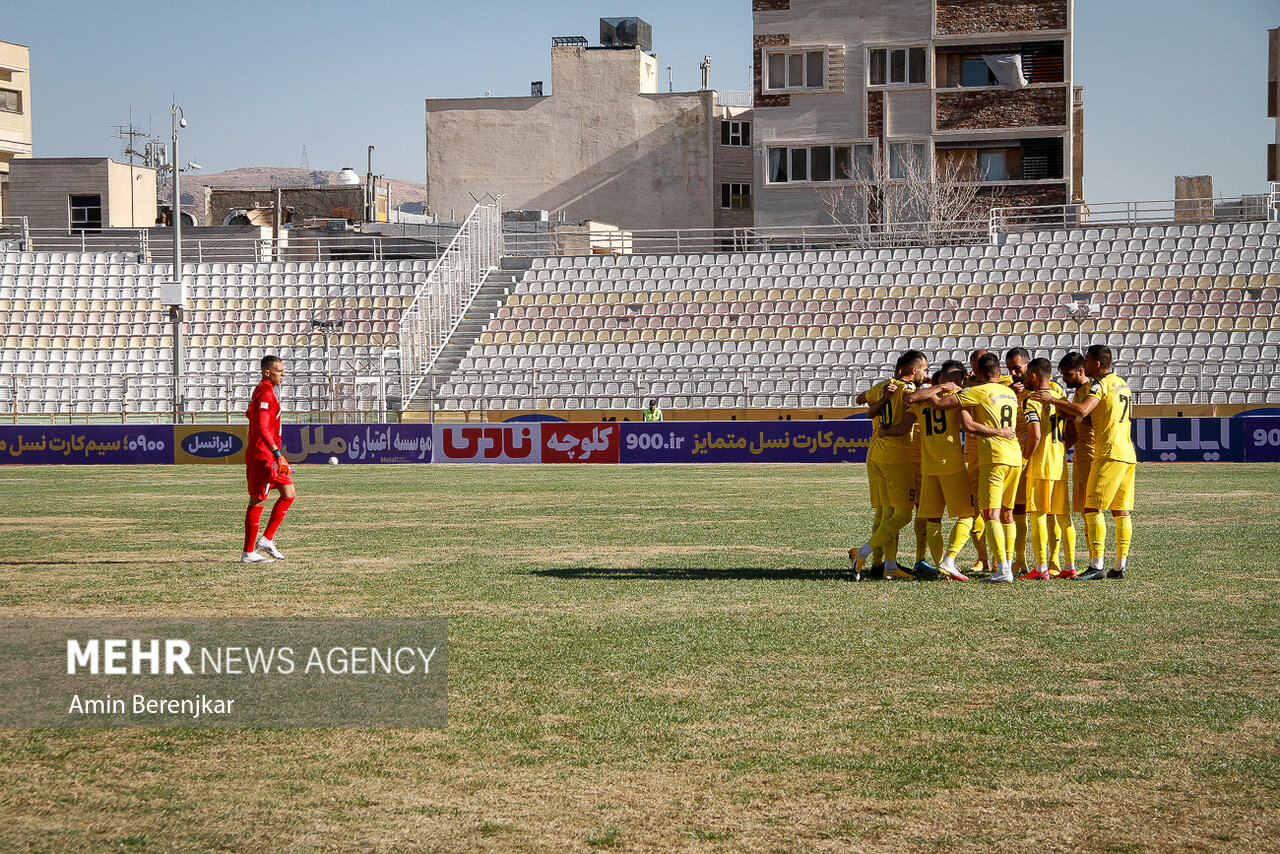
1015, 362
889, 466
1079, 440
876, 399
1046, 470
971, 465
994, 406
945, 482
1109, 405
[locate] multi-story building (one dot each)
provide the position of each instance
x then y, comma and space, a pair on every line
856, 91
1273, 102
15, 112
604, 145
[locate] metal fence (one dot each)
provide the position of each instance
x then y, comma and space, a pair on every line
1258, 207
247, 246
442, 300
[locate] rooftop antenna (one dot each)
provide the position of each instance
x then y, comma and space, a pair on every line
705, 65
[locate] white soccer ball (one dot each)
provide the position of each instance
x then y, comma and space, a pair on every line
333, 461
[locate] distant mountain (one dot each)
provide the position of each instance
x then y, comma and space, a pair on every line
408, 195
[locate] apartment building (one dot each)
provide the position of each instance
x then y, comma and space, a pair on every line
858, 91
605, 144
15, 112
1273, 101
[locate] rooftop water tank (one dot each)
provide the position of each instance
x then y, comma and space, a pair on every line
348, 176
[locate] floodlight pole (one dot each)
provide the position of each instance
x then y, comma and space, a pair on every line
175, 311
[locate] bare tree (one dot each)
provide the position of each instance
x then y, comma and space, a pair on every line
910, 200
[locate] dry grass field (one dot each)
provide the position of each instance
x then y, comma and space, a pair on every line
668, 658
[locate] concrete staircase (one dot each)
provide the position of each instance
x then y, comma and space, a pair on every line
491, 296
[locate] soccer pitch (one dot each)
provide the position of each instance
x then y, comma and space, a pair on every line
657, 658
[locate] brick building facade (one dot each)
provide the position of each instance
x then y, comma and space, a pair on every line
847, 88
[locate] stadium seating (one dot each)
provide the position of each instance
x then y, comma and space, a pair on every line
1191, 308
87, 333
808, 328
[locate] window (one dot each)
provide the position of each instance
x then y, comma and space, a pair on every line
991, 166
86, 213
907, 158
735, 133
735, 197
904, 66
10, 101
803, 69
974, 72
821, 163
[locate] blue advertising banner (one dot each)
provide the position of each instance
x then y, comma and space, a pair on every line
1165, 440
1261, 439
358, 443
26, 444
745, 441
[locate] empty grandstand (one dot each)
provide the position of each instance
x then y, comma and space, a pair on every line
1192, 308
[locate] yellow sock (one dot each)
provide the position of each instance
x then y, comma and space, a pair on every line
1067, 536
1010, 540
1096, 525
995, 542
934, 535
886, 535
959, 534
1052, 526
877, 552
1019, 547
1040, 538
1124, 533
922, 539
979, 534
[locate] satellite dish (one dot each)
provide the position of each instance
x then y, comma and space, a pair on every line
627, 31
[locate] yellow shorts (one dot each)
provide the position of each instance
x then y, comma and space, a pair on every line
997, 486
916, 484
1110, 485
893, 484
1047, 496
946, 491
1020, 497
1080, 466
874, 483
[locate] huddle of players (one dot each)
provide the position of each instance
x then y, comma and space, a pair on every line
989, 449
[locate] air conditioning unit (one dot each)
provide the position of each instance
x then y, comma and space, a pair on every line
626, 32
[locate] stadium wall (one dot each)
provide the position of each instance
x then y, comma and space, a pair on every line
1247, 439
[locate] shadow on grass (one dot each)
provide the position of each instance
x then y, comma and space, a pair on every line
685, 573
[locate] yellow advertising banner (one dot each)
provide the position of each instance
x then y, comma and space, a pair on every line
210, 443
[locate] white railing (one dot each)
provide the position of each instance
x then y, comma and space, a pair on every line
442, 300
1248, 208
155, 245
570, 240
14, 229
735, 97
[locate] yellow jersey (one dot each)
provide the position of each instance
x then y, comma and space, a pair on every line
993, 405
1048, 460
1084, 426
939, 431
1112, 420
971, 448
890, 449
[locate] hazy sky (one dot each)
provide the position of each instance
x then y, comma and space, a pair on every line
1171, 86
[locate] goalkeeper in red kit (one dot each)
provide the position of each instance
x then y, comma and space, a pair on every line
265, 466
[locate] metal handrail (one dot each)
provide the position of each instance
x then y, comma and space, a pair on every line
440, 303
